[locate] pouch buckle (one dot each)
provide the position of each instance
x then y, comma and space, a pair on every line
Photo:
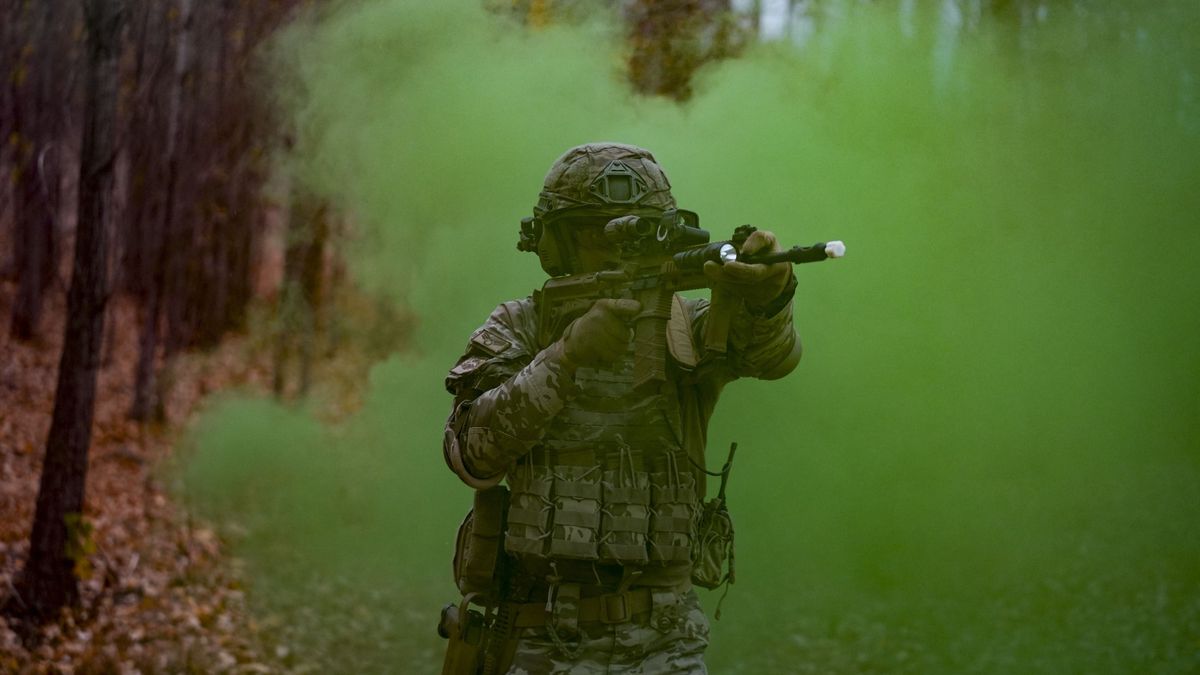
614, 608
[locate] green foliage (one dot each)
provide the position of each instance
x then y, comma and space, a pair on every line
81, 544
987, 461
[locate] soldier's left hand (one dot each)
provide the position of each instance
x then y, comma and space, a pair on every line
757, 284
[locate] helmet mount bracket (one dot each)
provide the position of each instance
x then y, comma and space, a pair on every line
618, 184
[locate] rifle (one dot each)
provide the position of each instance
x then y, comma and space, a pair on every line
660, 257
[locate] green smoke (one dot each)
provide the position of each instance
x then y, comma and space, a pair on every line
988, 459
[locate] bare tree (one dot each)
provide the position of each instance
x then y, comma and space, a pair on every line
40, 101
48, 581
197, 221
302, 292
161, 253
10, 57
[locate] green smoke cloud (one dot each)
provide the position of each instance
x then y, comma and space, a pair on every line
987, 461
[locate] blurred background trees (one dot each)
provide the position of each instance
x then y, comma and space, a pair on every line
40, 58
137, 133
196, 139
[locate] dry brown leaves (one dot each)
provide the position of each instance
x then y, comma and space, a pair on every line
163, 594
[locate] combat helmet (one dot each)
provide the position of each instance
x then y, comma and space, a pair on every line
595, 180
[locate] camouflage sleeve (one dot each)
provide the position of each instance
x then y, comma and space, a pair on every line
506, 392
762, 344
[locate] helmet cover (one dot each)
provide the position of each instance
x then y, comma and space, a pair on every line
595, 179
604, 177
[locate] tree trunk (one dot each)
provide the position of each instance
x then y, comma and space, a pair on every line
311, 277
300, 296
146, 398
48, 581
33, 245
37, 124
9, 57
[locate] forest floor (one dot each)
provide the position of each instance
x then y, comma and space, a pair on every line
163, 593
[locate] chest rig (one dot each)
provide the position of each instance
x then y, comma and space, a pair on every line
610, 481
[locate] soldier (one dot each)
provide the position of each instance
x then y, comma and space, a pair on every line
605, 480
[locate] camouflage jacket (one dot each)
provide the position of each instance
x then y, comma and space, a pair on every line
507, 388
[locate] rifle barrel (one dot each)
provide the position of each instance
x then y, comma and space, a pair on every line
798, 254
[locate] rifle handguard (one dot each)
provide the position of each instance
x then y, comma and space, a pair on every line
694, 258
798, 254
723, 252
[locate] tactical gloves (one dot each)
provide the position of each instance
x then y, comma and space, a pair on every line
757, 284
601, 335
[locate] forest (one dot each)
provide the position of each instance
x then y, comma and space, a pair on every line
242, 242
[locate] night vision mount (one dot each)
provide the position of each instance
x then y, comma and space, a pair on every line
673, 230
618, 184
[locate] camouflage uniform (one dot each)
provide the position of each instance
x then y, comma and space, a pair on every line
522, 412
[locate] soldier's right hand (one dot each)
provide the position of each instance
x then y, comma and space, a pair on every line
602, 334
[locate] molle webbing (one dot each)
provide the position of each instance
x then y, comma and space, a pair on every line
605, 484
576, 520
529, 510
602, 505
626, 509
612, 608
673, 516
